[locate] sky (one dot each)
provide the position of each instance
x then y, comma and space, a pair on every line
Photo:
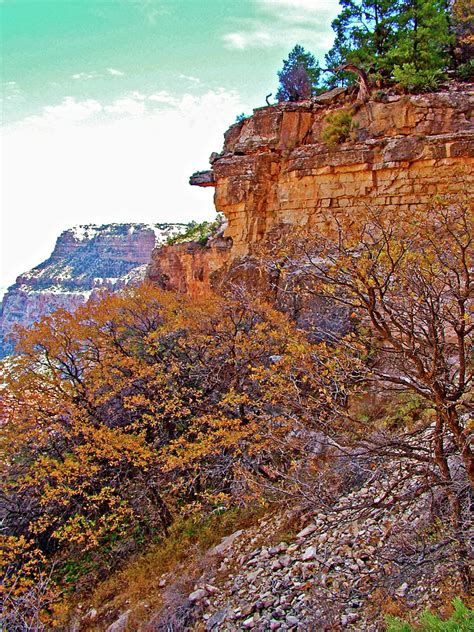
108, 106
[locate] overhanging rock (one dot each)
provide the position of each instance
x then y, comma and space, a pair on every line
203, 179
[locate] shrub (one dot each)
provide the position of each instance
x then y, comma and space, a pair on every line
198, 231
339, 127
412, 79
241, 117
462, 620
465, 71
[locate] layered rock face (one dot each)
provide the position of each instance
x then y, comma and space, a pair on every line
85, 261
189, 267
275, 169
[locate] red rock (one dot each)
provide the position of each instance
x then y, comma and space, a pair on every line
86, 260
276, 170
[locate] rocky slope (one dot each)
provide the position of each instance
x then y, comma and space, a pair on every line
85, 260
275, 169
342, 564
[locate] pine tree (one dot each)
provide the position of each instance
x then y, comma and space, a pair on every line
408, 41
365, 32
423, 36
422, 51
299, 76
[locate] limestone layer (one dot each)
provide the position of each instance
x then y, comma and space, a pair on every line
275, 169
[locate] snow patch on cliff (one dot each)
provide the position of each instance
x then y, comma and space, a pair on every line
87, 260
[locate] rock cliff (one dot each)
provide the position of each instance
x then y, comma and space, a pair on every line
85, 260
275, 169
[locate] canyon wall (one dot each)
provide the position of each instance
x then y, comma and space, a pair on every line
189, 267
275, 169
85, 261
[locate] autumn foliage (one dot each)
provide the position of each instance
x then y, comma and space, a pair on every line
147, 406
140, 407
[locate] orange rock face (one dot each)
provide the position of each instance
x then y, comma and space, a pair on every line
275, 169
188, 267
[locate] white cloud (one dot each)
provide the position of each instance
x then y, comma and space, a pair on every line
255, 38
190, 78
291, 21
131, 105
163, 97
236, 40
84, 76
68, 111
87, 161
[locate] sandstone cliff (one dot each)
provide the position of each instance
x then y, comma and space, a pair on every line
85, 260
275, 169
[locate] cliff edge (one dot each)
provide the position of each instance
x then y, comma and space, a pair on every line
275, 168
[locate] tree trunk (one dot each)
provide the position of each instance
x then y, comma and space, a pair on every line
462, 441
462, 553
362, 80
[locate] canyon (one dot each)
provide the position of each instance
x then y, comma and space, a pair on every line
274, 170
86, 261
348, 536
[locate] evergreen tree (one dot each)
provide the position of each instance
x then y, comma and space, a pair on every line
365, 32
299, 76
423, 35
409, 41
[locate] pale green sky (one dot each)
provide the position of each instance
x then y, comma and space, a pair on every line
108, 106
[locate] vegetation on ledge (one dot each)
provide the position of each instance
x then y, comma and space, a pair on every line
199, 232
412, 45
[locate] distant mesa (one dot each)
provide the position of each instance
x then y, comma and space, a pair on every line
86, 260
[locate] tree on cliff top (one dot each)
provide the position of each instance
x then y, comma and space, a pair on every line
299, 76
365, 32
408, 41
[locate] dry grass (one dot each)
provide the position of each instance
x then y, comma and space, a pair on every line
287, 529
177, 560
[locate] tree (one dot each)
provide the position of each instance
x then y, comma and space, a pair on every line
409, 41
423, 36
136, 408
365, 32
299, 76
406, 278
